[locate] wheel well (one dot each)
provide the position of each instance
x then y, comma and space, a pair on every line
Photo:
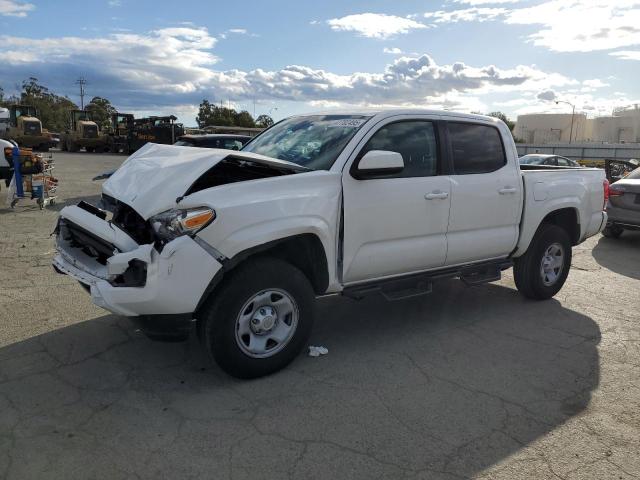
567, 219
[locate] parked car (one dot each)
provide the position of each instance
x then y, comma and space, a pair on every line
623, 205
227, 142
240, 245
553, 160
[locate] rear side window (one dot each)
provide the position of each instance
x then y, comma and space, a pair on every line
414, 140
476, 148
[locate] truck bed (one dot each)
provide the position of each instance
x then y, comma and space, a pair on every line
577, 191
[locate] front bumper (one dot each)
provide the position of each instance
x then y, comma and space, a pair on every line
176, 277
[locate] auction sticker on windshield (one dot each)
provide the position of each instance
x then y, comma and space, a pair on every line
347, 122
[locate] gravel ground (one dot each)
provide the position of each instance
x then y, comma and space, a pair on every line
467, 382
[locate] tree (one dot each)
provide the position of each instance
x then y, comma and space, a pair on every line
52, 109
101, 111
243, 119
504, 118
210, 114
264, 121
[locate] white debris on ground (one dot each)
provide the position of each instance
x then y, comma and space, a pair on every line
317, 351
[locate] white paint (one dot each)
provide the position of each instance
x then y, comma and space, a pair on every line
380, 159
392, 226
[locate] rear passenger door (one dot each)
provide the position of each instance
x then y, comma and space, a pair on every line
486, 194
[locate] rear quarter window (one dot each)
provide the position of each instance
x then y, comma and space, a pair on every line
476, 148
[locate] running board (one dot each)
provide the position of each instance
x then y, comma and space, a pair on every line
417, 284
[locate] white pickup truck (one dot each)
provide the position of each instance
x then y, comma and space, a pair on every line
240, 243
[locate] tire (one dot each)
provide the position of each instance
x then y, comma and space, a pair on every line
612, 231
269, 283
63, 146
536, 275
44, 148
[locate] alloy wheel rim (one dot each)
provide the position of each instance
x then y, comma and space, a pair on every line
552, 264
266, 323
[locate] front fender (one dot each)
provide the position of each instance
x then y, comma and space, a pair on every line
251, 236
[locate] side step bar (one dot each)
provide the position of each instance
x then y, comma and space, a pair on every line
417, 284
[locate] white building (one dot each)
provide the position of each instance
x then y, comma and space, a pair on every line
551, 128
622, 127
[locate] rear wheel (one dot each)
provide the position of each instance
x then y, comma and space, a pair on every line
541, 272
260, 319
612, 231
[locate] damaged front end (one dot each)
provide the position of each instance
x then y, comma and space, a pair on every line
87, 241
100, 249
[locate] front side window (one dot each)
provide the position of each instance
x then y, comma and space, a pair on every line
564, 162
476, 148
414, 140
313, 141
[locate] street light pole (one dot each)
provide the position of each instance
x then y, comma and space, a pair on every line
573, 112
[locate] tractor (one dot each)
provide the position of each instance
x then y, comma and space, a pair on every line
20, 123
83, 132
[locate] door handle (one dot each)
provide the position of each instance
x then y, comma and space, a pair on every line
506, 190
436, 195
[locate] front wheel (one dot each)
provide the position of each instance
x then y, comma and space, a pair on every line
541, 272
260, 319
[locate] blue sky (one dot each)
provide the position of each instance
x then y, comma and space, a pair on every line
286, 57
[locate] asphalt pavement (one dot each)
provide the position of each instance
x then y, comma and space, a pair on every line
468, 382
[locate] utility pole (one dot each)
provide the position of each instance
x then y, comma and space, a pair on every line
82, 82
573, 112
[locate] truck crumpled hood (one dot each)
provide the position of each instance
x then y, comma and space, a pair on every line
155, 176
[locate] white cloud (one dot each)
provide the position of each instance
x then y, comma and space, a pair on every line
374, 25
466, 15
171, 58
484, 2
595, 83
392, 51
176, 66
14, 8
114, 3
627, 54
582, 25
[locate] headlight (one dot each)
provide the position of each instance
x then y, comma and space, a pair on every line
174, 223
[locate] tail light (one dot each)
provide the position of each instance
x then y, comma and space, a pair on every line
605, 186
615, 191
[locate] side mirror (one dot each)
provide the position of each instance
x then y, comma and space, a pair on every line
378, 163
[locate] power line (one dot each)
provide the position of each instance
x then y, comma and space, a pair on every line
82, 82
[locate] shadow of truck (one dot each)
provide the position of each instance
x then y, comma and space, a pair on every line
435, 387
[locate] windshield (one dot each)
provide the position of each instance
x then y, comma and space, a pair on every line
312, 141
532, 160
634, 175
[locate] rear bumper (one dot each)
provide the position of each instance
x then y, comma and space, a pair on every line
623, 216
175, 280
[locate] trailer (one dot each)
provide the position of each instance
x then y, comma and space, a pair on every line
163, 130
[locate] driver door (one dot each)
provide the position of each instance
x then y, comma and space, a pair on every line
397, 224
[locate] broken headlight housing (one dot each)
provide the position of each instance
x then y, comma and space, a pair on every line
175, 223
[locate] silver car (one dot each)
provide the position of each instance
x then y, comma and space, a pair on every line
623, 206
